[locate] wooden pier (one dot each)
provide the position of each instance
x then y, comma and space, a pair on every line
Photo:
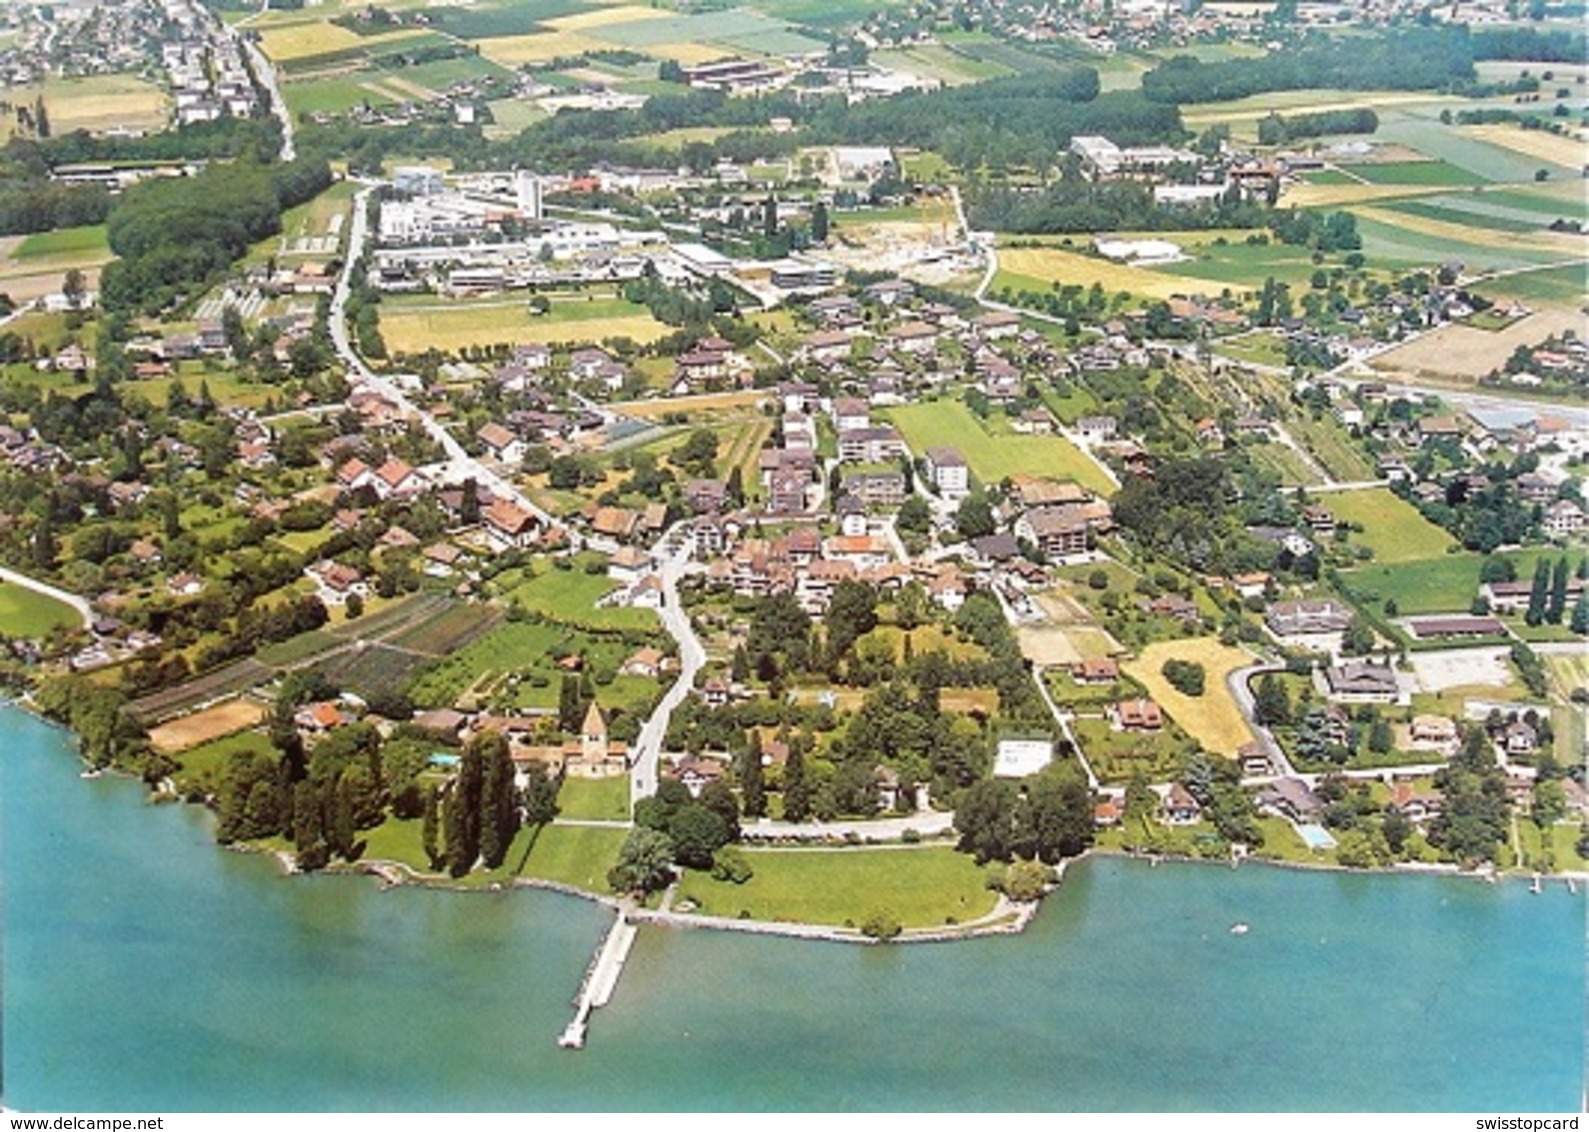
601, 978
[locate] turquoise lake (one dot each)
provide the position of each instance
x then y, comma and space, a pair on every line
146, 969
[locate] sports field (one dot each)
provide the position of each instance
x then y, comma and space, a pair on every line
205, 726
1392, 528
937, 423
1213, 718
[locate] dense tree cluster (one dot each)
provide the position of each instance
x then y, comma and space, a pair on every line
1412, 58
1278, 129
1046, 817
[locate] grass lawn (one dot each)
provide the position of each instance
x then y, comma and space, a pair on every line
413, 327
1439, 585
24, 613
991, 457
1213, 718
923, 887
570, 596
1562, 841
925, 639
73, 242
1392, 528
579, 855
202, 766
599, 799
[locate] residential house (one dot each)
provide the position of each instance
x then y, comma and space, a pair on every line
1179, 807
949, 472
1137, 715
1361, 681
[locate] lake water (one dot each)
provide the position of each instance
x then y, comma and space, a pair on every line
146, 969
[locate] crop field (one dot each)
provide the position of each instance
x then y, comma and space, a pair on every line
1395, 238
372, 670
923, 887
692, 405
450, 631
25, 613
95, 103
227, 681
1556, 286
1240, 265
507, 647
1552, 148
1469, 353
1037, 269
414, 327
1482, 158
485, 21
1393, 528
1413, 173
1447, 584
1243, 114
205, 726
1213, 718
937, 61
1479, 218
991, 457
511, 115
286, 43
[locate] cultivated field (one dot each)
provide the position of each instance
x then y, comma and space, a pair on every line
411, 328
1532, 143
206, 726
1036, 269
1213, 718
95, 103
1465, 352
1393, 528
1447, 584
287, 42
991, 457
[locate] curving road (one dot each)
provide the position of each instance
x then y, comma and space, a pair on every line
463, 465
79, 604
645, 770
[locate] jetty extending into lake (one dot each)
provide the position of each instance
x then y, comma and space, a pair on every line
601, 977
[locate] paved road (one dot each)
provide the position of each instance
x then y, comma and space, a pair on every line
1063, 719
1239, 683
463, 466
883, 829
80, 604
692, 658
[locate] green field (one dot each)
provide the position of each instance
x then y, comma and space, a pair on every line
334, 96
993, 457
1554, 285
570, 596
1393, 528
923, 887
1414, 173
64, 242
1447, 584
30, 615
512, 646
579, 855
598, 799
202, 766
1474, 217
415, 324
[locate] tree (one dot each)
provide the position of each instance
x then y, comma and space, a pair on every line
499, 811
729, 864
1185, 676
1380, 737
796, 791
819, 223
882, 924
769, 217
645, 862
429, 830
1556, 608
752, 791
1580, 614
696, 833
852, 613
1272, 704
73, 288
985, 818
915, 516
1026, 881
974, 517
1358, 639
570, 705
1539, 594
540, 795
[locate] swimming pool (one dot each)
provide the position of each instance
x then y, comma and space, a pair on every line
1316, 836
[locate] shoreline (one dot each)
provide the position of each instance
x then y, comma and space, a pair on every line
1006, 918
